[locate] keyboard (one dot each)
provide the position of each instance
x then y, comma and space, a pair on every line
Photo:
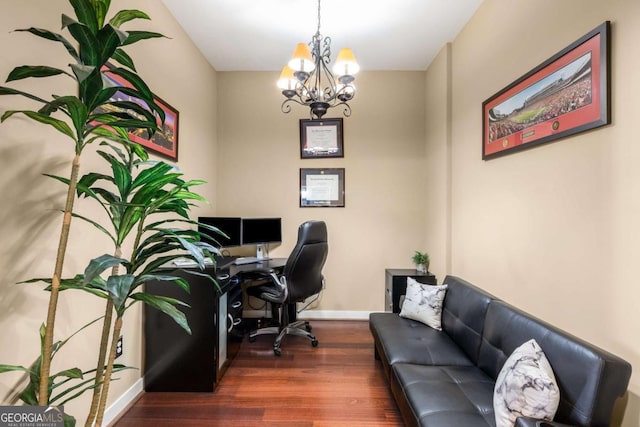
186, 262
249, 260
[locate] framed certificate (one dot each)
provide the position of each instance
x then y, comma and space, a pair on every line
322, 187
321, 138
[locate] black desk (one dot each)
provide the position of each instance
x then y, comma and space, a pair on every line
274, 263
179, 362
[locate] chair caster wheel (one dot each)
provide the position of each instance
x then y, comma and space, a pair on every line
252, 339
308, 327
277, 351
314, 343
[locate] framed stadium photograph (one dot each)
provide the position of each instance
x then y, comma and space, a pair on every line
565, 95
163, 142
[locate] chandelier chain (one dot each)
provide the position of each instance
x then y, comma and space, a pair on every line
318, 31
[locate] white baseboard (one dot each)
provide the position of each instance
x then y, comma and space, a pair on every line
318, 314
334, 315
116, 408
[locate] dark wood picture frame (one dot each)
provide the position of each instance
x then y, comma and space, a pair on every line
322, 188
163, 142
321, 138
565, 95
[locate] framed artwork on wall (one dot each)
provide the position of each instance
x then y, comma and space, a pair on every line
163, 142
322, 187
565, 95
321, 138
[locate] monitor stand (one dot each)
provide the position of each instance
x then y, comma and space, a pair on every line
261, 252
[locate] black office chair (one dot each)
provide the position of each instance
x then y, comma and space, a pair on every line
301, 278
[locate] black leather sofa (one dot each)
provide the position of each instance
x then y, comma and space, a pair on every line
446, 378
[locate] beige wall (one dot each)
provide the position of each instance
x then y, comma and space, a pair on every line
553, 229
29, 223
380, 227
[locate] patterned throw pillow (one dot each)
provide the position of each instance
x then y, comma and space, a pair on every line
526, 387
424, 303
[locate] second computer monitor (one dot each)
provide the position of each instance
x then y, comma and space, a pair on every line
261, 231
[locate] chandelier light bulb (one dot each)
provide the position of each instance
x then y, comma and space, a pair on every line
301, 60
346, 64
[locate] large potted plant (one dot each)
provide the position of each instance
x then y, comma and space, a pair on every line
131, 194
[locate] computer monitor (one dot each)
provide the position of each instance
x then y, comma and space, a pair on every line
261, 231
230, 226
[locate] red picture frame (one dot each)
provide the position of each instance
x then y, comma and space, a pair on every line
565, 95
163, 142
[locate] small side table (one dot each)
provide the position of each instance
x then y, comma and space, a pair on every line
396, 285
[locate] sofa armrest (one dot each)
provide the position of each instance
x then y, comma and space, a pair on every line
534, 422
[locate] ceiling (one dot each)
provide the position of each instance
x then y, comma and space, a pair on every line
260, 35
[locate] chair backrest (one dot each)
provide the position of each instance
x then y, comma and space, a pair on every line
303, 270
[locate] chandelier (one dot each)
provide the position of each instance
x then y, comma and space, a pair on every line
307, 79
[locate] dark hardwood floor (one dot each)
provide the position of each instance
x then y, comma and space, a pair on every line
338, 383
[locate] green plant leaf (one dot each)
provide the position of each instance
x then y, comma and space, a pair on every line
136, 109
96, 225
74, 107
69, 373
10, 91
110, 38
137, 83
121, 57
166, 305
98, 265
119, 288
46, 34
101, 7
69, 421
136, 36
59, 125
127, 15
86, 39
10, 368
86, 14
154, 175
27, 71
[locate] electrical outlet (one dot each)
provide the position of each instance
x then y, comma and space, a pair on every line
119, 348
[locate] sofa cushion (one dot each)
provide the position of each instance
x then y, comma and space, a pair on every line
443, 396
424, 303
589, 379
525, 386
404, 340
463, 314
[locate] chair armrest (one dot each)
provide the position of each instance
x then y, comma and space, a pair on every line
534, 422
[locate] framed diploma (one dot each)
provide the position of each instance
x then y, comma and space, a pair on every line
322, 187
321, 138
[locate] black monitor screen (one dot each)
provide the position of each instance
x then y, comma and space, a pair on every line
256, 231
229, 226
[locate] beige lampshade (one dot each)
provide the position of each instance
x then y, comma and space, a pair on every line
346, 63
287, 80
302, 59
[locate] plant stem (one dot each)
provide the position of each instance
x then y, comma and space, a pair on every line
47, 348
107, 375
104, 343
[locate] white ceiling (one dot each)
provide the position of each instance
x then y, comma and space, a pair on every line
260, 35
